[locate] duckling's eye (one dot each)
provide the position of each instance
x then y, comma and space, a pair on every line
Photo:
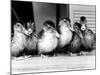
64, 20
18, 24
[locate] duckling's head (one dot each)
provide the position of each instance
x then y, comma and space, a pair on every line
77, 26
64, 21
18, 27
30, 27
83, 19
83, 23
48, 25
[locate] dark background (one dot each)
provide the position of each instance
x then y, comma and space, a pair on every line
38, 12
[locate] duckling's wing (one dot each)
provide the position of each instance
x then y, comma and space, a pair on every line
91, 32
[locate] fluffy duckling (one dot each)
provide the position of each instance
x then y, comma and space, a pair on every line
65, 33
89, 38
48, 38
76, 43
31, 39
18, 42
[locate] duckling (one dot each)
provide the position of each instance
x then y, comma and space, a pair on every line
65, 33
31, 39
48, 39
19, 40
76, 43
89, 38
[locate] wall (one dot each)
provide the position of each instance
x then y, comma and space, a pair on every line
89, 11
42, 12
64, 10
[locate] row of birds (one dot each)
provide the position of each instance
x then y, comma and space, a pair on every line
50, 41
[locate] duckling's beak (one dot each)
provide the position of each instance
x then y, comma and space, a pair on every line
71, 28
83, 28
25, 31
57, 34
29, 31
